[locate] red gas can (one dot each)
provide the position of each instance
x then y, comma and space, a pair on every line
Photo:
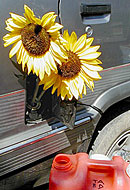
78, 172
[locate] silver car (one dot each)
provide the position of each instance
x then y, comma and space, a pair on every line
102, 123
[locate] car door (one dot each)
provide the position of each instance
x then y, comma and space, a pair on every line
108, 22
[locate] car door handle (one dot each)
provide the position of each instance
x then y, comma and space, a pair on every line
94, 10
95, 14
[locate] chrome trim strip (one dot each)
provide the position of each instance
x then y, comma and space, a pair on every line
15, 156
40, 137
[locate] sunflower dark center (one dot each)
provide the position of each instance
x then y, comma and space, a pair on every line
37, 29
35, 39
71, 67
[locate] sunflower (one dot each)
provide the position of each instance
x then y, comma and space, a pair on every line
32, 38
77, 65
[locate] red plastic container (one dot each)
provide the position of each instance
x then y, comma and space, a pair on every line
78, 172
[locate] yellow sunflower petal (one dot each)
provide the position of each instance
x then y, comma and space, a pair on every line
21, 59
92, 49
67, 38
66, 35
91, 84
57, 50
46, 15
37, 21
80, 95
10, 39
80, 44
62, 41
41, 69
84, 90
51, 80
63, 49
47, 69
55, 28
91, 62
87, 45
30, 65
90, 56
10, 35
58, 60
69, 95
80, 84
87, 80
73, 40
57, 84
29, 14
55, 36
59, 90
18, 54
52, 22
25, 58
36, 66
64, 91
73, 89
15, 48
46, 18
12, 24
9, 28
93, 67
50, 61
20, 20
93, 74
89, 41
48, 22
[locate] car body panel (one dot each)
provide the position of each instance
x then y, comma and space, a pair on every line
113, 36
40, 141
23, 144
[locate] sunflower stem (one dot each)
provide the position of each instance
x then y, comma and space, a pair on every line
40, 96
36, 91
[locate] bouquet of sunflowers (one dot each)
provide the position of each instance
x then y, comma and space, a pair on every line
65, 63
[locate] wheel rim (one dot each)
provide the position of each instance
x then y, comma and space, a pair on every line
121, 147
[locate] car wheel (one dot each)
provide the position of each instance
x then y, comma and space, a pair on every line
114, 138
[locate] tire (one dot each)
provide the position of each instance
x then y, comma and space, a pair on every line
114, 138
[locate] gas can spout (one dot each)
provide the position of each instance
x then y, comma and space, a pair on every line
78, 171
